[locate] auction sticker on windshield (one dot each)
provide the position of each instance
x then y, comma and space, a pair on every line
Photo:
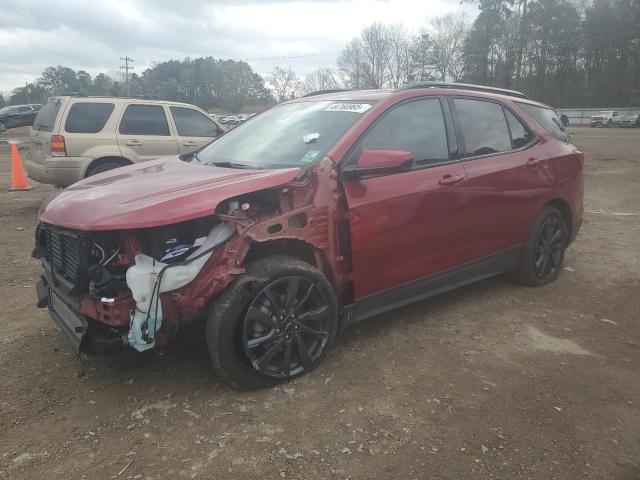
348, 107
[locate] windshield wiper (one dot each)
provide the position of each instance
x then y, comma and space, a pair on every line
234, 165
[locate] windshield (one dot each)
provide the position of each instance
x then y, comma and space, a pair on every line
290, 135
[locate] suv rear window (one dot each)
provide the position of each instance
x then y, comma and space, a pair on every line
46, 117
144, 120
88, 117
548, 119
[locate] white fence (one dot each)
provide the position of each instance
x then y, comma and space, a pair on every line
582, 116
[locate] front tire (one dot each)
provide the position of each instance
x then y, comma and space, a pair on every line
273, 323
543, 253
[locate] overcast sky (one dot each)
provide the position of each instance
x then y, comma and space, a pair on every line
91, 35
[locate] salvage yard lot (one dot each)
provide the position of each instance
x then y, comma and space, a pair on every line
489, 381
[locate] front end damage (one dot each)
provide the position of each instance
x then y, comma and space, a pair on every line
133, 287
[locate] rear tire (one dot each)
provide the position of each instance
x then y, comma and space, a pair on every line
273, 323
543, 252
103, 167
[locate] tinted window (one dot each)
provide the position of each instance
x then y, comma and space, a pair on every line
191, 123
548, 119
484, 127
88, 117
144, 120
47, 116
520, 136
417, 127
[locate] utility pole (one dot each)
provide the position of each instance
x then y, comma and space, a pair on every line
126, 67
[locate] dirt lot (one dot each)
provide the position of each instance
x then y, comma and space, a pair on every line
490, 381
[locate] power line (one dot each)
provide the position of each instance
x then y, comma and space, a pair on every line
126, 69
294, 55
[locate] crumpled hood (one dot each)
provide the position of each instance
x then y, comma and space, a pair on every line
158, 192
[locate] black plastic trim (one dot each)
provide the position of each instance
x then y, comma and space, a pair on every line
431, 285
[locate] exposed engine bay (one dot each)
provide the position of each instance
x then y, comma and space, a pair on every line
127, 268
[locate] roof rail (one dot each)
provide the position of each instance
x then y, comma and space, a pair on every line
463, 86
331, 90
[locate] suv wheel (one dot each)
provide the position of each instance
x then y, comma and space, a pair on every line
273, 323
543, 252
103, 167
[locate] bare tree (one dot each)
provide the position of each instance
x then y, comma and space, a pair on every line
285, 83
352, 64
320, 79
375, 48
399, 55
448, 34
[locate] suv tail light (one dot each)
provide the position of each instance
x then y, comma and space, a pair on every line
58, 148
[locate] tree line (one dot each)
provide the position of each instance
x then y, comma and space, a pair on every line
567, 53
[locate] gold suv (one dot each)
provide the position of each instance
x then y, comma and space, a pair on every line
76, 137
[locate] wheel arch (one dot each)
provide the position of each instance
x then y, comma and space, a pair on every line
565, 211
296, 248
102, 160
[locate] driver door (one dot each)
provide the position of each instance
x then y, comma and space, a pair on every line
407, 225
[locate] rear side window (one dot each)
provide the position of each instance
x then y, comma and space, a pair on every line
191, 123
88, 117
548, 119
520, 136
484, 127
46, 117
144, 120
417, 127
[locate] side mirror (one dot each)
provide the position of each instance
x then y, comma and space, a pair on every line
379, 162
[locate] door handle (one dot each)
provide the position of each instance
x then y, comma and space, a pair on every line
450, 179
533, 162
133, 143
190, 144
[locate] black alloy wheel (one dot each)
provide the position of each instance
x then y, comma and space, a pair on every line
275, 321
286, 327
542, 254
549, 248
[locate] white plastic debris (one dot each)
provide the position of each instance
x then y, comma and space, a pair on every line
146, 284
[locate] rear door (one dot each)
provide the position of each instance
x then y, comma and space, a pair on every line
509, 173
193, 128
144, 134
89, 130
407, 225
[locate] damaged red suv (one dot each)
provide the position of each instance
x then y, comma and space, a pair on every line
311, 216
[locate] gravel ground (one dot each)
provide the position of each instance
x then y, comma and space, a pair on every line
490, 381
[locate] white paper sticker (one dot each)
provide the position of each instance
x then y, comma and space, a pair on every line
348, 107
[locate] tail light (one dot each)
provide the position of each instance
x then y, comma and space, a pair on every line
58, 148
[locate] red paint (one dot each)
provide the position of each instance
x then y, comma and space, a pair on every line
159, 192
403, 225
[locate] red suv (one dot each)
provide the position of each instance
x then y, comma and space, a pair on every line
309, 217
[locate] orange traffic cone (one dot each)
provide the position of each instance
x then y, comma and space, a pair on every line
18, 177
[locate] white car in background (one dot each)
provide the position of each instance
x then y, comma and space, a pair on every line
606, 119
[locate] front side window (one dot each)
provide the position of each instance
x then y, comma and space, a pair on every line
484, 127
88, 117
548, 119
144, 120
289, 135
416, 126
191, 123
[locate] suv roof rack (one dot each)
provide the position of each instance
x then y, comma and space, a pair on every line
463, 86
331, 90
